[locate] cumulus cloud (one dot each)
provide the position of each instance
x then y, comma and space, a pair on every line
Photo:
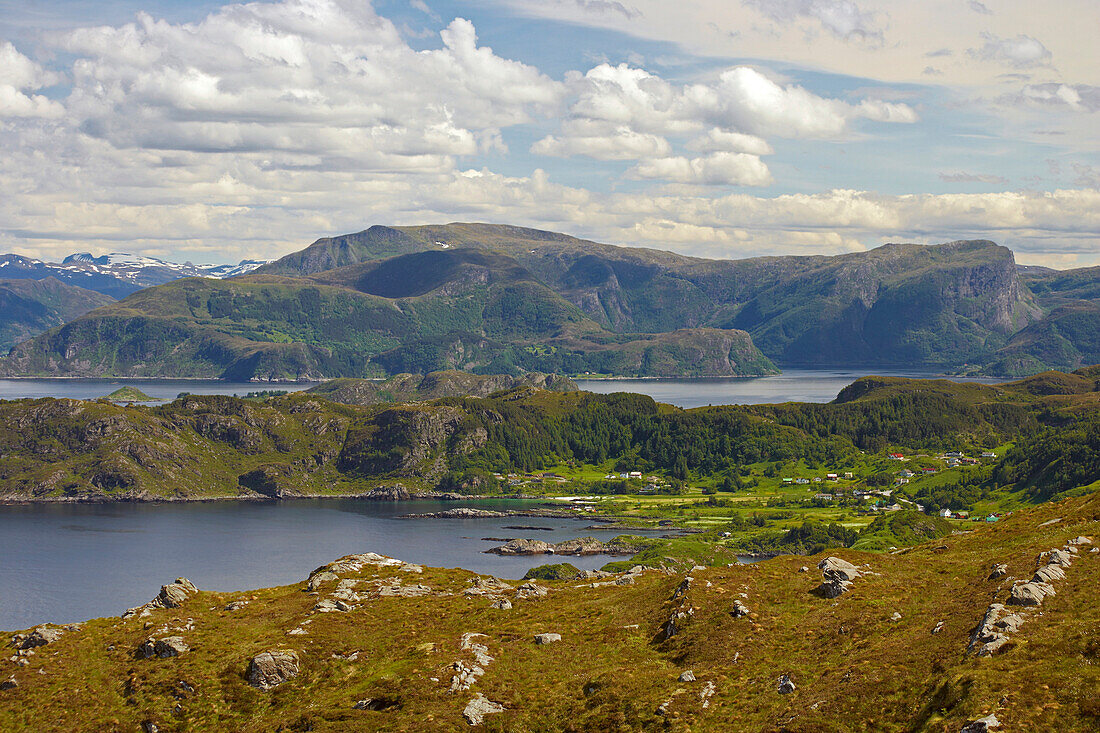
19, 78
842, 18
261, 127
717, 141
625, 113
324, 78
1021, 52
619, 143
1077, 97
716, 169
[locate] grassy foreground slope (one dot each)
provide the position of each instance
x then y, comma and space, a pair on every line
891, 654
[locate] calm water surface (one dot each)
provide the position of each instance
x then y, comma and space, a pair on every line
64, 563
67, 563
793, 385
165, 389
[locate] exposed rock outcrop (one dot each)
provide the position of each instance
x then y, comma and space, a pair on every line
169, 646
479, 707
172, 595
41, 636
982, 725
272, 668
993, 631
837, 576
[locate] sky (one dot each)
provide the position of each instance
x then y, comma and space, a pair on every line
216, 132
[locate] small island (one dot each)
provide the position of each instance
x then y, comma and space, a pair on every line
131, 394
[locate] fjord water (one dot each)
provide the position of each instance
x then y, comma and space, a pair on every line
793, 385
71, 562
161, 389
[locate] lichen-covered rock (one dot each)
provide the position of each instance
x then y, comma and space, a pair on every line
739, 609
172, 595
41, 636
836, 576
785, 685
479, 707
170, 646
982, 725
687, 676
530, 591
999, 570
1030, 594
317, 579
272, 668
543, 639
1055, 557
1048, 574
992, 632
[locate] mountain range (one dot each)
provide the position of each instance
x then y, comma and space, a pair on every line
117, 274
492, 298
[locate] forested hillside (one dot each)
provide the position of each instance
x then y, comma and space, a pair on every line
304, 444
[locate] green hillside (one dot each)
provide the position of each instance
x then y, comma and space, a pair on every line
901, 304
493, 298
454, 309
30, 307
304, 443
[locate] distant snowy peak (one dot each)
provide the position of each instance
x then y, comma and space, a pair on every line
116, 274
223, 271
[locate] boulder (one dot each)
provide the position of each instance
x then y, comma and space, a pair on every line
999, 570
542, 639
836, 576
981, 725
272, 668
1055, 557
479, 707
739, 609
1030, 594
1049, 573
41, 636
235, 605
992, 632
1079, 541
174, 594
170, 646
785, 685
895, 616
9, 684
320, 578
502, 604
687, 676
530, 591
